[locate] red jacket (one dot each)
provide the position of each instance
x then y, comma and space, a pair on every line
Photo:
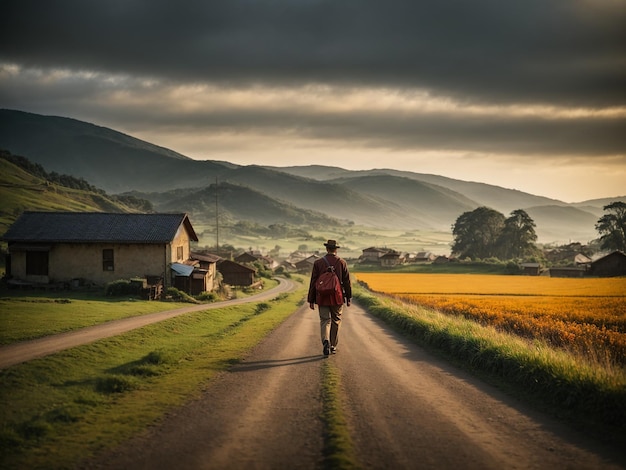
341, 269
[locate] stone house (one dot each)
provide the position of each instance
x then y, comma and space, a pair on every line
96, 247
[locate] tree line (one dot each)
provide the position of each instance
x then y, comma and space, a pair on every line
486, 233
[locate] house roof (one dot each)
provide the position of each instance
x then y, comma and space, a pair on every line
232, 266
97, 227
181, 269
614, 254
207, 257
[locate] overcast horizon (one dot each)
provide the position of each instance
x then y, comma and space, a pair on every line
528, 96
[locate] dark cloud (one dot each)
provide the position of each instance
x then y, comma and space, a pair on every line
566, 52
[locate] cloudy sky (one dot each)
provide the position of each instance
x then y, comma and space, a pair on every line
528, 94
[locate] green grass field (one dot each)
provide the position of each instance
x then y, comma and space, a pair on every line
67, 406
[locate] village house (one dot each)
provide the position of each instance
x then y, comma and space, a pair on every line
250, 257
98, 248
306, 265
424, 257
391, 258
373, 254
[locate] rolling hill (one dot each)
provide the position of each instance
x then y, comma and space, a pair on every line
107, 159
380, 198
21, 190
235, 203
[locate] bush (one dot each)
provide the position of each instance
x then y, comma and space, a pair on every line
262, 307
207, 297
120, 287
179, 295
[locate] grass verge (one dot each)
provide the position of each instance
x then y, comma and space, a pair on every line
66, 407
586, 395
338, 449
30, 314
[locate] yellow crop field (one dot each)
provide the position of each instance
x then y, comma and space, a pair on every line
586, 316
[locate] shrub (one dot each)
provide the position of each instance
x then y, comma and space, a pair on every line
207, 297
262, 307
160, 357
121, 287
179, 296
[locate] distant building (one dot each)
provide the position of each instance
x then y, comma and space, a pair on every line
424, 257
204, 274
571, 271
306, 265
611, 265
531, 269
391, 258
373, 254
236, 274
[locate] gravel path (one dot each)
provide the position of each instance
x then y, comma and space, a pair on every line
405, 408
28, 350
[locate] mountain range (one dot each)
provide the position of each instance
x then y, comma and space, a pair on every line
311, 195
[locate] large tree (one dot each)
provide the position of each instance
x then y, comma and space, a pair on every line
612, 226
476, 233
518, 236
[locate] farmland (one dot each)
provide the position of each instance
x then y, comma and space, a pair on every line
584, 316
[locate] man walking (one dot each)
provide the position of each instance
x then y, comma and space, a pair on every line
330, 305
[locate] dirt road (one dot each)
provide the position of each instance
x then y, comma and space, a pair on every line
28, 350
406, 410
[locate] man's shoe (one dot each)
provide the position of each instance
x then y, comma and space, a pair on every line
333, 350
326, 347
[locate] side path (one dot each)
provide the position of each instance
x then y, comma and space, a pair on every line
27, 350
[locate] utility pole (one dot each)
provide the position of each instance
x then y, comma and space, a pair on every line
217, 220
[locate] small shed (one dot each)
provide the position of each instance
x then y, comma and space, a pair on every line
568, 271
531, 269
611, 265
236, 274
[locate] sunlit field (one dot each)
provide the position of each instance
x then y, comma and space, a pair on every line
585, 316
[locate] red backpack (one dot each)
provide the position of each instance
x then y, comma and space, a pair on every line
328, 284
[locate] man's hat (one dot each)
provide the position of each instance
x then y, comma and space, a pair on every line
331, 244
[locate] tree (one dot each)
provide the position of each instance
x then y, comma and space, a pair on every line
476, 233
612, 226
518, 236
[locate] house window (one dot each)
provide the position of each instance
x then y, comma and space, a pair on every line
179, 252
37, 263
107, 259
